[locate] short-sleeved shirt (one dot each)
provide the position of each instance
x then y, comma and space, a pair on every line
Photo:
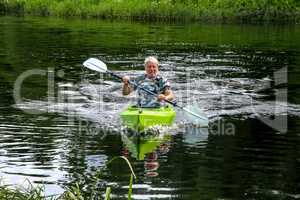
158, 85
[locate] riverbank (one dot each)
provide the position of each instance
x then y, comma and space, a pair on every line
161, 10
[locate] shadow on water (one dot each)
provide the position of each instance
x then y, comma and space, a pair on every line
66, 126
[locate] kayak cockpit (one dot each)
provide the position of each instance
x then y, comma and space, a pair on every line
142, 118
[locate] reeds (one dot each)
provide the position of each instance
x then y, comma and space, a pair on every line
74, 192
160, 10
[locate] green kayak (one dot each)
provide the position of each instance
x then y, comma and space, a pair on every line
143, 118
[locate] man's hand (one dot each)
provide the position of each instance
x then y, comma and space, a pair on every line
125, 80
126, 87
167, 95
161, 97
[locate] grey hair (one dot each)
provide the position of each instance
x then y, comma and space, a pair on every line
151, 59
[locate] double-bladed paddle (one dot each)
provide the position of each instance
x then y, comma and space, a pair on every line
99, 66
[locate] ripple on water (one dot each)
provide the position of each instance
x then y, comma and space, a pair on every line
216, 83
232, 97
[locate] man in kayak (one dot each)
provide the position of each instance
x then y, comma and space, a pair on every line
150, 80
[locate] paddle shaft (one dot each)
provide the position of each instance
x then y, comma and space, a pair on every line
98, 65
154, 94
144, 89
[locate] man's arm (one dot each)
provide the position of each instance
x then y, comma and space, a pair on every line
167, 95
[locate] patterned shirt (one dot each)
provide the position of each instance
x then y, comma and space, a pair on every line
157, 85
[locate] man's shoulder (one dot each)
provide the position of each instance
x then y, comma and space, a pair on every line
161, 78
140, 77
162, 82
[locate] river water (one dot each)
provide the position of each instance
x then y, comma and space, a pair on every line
59, 122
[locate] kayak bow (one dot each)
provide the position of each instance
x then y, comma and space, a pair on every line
142, 118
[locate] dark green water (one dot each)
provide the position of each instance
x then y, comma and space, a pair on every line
66, 124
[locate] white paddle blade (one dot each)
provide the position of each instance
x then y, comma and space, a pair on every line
95, 64
196, 116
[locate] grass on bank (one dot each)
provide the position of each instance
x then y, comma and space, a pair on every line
74, 192
160, 10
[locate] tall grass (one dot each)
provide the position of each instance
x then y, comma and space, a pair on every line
74, 192
160, 10
30, 193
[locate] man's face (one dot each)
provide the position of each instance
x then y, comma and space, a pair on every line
151, 69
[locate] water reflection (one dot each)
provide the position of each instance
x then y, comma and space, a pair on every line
147, 147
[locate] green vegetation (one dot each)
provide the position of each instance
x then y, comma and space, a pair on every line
161, 10
31, 193
72, 193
